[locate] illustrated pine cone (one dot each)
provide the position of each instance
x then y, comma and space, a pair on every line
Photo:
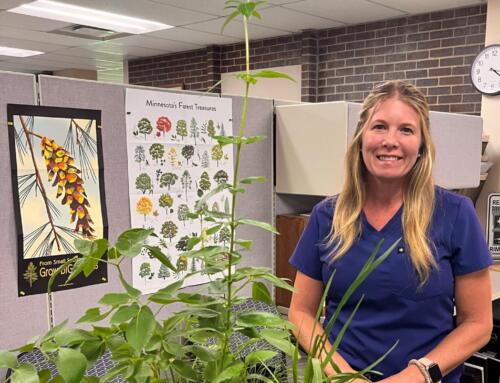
61, 169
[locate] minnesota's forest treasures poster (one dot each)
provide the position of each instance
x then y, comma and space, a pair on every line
58, 187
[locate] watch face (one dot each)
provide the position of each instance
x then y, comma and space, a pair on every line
434, 372
485, 71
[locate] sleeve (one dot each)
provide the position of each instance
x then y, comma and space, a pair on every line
305, 257
469, 248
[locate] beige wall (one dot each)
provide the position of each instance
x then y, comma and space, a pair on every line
491, 119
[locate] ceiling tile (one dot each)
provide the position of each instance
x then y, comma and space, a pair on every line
146, 9
212, 7
74, 61
43, 37
184, 34
26, 44
423, 6
164, 45
349, 12
235, 29
9, 19
291, 20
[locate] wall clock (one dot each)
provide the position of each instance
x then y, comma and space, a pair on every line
485, 70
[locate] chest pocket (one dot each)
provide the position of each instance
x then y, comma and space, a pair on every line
403, 281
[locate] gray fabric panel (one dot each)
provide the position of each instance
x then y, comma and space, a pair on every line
110, 99
256, 160
20, 318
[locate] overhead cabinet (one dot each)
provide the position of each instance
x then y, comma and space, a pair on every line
311, 141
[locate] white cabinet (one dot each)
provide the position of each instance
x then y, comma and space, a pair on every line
311, 140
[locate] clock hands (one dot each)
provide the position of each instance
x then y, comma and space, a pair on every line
497, 72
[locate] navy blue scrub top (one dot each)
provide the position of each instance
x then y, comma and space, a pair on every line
393, 308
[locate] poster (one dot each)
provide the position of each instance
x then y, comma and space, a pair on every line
173, 160
58, 188
493, 225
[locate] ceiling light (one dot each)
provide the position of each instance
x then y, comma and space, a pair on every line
15, 52
75, 14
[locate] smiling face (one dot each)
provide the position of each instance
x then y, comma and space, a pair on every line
391, 141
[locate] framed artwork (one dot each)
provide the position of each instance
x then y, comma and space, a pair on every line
58, 188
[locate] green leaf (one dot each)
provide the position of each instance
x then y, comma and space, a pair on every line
44, 375
228, 140
131, 242
272, 74
202, 353
260, 318
262, 225
113, 253
141, 328
157, 253
124, 314
259, 356
232, 371
246, 8
91, 379
252, 180
114, 299
133, 292
171, 288
92, 315
261, 293
214, 229
185, 370
252, 139
25, 373
58, 271
92, 252
25, 348
72, 336
71, 365
54, 331
8, 359
203, 200
245, 243
281, 344
229, 18
92, 349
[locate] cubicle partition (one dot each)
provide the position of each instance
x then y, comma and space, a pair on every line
25, 317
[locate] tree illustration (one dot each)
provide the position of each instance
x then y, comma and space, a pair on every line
226, 205
204, 183
186, 182
182, 244
30, 275
224, 235
221, 177
168, 179
166, 202
215, 207
194, 131
157, 151
139, 155
145, 271
172, 156
144, 126
211, 129
181, 264
182, 213
143, 183
144, 206
163, 126
205, 160
193, 265
169, 230
164, 271
217, 153
187, 152
181, 129
222, 131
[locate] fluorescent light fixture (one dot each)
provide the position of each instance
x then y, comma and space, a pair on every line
54, 10
15, 52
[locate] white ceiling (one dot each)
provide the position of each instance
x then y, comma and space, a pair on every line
197, 24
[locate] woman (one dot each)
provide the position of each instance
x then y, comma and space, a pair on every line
442, 258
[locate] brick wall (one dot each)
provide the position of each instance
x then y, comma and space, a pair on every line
433, 50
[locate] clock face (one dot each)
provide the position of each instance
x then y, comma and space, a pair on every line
485, 71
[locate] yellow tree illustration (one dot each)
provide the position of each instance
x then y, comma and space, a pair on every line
144, 206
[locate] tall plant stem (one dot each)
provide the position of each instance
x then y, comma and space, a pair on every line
39, 179
235, 185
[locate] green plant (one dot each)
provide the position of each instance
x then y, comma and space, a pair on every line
193, 344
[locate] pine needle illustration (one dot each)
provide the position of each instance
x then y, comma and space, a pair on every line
66, 176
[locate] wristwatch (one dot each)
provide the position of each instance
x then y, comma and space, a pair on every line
429, 369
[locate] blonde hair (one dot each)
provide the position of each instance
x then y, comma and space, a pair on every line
418, 196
